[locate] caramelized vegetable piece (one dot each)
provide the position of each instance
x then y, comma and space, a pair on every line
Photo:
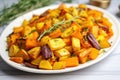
34, 52
94, 31
30, 43
67, 32
104, 43
83, 60
30, 65
84, 53
62, 52
45, 64
67, 41
18, 29
93, 41
75, 44
44, 40
56, 33
56, 43
72, 62
93, 54
69, 48
46, 52
17, 59
22, 53
37, 60
59, 65
14, 37
13, 50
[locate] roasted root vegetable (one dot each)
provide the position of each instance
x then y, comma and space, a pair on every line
75, 44
17, 59
59, 65
22, 53
46, 52
56, 43
60, 38
72, 61
34, 52
62, 52
13, 50
36, 61
45, 64
93, 53
104, 43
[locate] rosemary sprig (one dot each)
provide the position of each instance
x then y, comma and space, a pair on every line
55, 26
23, 6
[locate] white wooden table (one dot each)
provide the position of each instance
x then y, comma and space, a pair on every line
107, 69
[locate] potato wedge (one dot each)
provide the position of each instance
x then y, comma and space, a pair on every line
56, 43
13, 50
62, 52
37, 60
75, 44
45, 64
22, 53
59, 65
34, 52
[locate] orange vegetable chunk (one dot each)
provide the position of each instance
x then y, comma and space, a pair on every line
71, 62
93, 54
55, 33
17, 59
30, 43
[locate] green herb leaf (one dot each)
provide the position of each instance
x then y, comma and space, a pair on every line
55, 26
23, 6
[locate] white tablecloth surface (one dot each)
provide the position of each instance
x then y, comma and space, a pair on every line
107, 69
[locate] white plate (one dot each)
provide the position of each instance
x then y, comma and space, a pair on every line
18, 21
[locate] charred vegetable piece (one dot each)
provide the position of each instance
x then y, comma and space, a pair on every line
105, 28
30, 65
37, 60
34, 52
13, 50
20, 43
17, 59
93, 41
22, 53
46, 52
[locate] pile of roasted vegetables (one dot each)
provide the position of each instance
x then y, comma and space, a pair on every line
60, 38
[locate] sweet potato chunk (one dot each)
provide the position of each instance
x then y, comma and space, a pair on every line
17, 59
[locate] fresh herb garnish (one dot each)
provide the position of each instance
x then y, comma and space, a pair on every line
23, 6
55, 26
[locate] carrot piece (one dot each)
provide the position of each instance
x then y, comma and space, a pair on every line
71, 62
77, 34
56, 33
67, 41
14, 37
17, 29
45, 27
30, 43
93, 54
83, 60
85, 44
42, 18
17, 59
35, 35
84, 53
